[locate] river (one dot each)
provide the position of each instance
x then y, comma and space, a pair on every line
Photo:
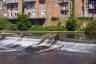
12, 52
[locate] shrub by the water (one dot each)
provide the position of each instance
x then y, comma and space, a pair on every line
91, 27
13, 27
24, 23
4, 24
55, 19
71, 24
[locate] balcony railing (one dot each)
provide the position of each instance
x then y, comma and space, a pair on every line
65, 16
11, 1
29, 0
91, 4
31, 16
86, 15
62, 1
64, 8
38, 16
16, 1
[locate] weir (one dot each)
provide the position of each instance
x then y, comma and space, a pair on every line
44, 44
50, 39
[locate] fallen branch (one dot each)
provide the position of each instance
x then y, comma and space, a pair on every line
46, 37
49, 49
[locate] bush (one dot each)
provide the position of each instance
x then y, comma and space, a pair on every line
71, 24
13, 27
85, 18
91, 27
50, 28
55, 19
24, 23
4, 24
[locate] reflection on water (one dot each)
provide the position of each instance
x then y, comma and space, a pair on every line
79, 36
82, 36
47, 58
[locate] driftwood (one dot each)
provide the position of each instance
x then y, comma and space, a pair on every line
49, 36
22, 36
52, 39
55, 39
49, 49
3, 33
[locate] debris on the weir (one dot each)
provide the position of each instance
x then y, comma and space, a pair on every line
52, 39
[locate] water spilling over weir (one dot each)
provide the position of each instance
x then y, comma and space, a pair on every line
12, 44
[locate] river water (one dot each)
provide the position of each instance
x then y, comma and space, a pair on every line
12, 52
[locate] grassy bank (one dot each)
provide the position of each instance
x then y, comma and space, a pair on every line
49, 28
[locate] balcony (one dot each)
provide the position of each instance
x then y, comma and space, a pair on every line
63, 1
29, 0
10, 1
86, 15
38, 16
91, 5
31, 16
16, 1
64, 9
65, 16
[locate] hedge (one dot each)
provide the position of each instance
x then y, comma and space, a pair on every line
85, 18
50, 28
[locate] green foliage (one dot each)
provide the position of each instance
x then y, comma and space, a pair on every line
71, 25
49, 28
24, 23
4, 24
13, 27
55, 19
85, 18
91, 27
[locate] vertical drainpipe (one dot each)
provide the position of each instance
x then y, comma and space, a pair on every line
21, 6
72, 5
83, 7
38, 11
47, 17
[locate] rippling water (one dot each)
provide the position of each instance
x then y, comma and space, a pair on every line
11, 52
47, 58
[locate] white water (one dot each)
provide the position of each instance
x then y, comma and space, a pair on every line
8, 42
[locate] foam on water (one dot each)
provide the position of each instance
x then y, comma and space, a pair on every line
15, 44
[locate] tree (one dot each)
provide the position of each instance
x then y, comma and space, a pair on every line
4, 24
71, 24
24, 23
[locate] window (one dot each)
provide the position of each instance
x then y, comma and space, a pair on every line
41, 1
29, 5
12, 6
91, 5
64, 13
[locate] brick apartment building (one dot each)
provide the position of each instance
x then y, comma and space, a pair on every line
46, 9
37, 8
86, 8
